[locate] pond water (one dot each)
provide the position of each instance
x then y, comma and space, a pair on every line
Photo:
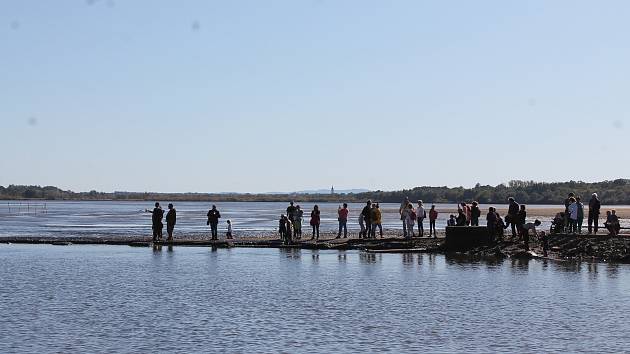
124, 299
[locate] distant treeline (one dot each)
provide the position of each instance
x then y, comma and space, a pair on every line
529, 192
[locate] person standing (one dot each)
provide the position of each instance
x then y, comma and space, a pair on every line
171, 219
510, 218
433, 215
403, 210
315, 221
362, 225
342, 217
421, 214
156, 222
567, 202
491, 223
573, 215
291, 211
297, 224
580, 214
367, 218
475, 213
376, 221
411, 220
594, 206
521, 217
213, 221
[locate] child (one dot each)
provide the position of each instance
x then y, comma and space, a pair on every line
228, 235
451, 221
525, 230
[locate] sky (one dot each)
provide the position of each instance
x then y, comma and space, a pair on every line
260, 96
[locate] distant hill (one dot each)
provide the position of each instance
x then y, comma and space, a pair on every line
615, 192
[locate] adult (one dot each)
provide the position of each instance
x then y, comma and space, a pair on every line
612, 223
580, 214
567, 202
367, 218
594, 206
171, 219
491, 223
297, 223
411, 220
573, 215
421, 214
291, 211
403, 210
376, 220
362, 225
461, 218
511, 217
521, 217
156, 222
475, 213
433, 215
213, 221
342, 217
315, 221
527, 227
467, 213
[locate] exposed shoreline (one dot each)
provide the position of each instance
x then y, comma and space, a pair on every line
591, 248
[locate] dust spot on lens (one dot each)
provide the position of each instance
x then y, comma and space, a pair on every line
618, 124
195, 26
15, 25
32, 121
531, 102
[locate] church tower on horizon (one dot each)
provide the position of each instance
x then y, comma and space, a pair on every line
332, 189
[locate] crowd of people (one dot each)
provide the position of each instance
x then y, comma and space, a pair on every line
412, 218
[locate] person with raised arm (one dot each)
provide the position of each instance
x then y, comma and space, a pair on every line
156, 221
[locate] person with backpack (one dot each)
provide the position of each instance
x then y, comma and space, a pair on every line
421, 214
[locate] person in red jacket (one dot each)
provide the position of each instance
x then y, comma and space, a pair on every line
343, 220
315, 220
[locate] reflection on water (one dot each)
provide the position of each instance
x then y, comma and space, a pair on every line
199, 299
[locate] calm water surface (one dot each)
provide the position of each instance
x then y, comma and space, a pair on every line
123, 299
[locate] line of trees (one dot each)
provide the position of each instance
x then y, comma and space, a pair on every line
611, 192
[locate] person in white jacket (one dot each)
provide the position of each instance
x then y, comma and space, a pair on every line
420, 214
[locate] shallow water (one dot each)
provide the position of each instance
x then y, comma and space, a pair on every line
124, 299
116, 218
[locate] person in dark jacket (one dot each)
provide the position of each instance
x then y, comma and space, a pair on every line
156, 222
475, 213
213, 221
491, 223
594, 206
461, 218
510, 218
171, 219
521, 217
367, 218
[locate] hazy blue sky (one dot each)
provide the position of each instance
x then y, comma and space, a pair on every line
289, 95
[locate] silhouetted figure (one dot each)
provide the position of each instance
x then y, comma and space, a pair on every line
156, 221
612, 223
511, 217
521, 217
315, 220
297, 223
594, 206
291, 211
367, 218
433, 215
580, 214
461, 218
282, 229
491, 223
213, 221
475, 213
171, 219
